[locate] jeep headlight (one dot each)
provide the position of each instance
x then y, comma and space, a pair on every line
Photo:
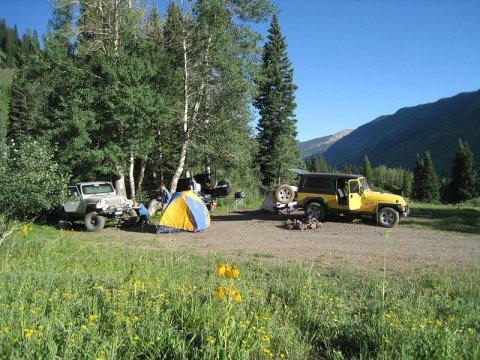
101, 204
130, 202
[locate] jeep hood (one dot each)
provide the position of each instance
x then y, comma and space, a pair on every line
384, 197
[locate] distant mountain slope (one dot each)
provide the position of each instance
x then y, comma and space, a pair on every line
319, 145
394, 140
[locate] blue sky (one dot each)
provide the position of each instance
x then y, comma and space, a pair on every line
355, 60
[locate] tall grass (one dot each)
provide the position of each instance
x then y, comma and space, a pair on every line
62, 298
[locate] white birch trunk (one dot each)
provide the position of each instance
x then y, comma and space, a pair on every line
141, 177
131, 179
183, 153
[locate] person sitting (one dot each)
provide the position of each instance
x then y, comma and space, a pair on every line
143, 213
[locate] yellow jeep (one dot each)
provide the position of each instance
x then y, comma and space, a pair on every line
321, 194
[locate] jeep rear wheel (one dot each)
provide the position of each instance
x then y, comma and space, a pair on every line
284, 194
94, 222
315, 210
388, 217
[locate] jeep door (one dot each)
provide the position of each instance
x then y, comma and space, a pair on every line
354, 197
74, 204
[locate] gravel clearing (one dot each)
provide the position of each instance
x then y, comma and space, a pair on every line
339, 242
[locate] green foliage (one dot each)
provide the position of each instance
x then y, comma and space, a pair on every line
426, 187
463, 184
65, 296
19, 114
276, 104
30, 181
6, 76
14, 50
367, 170
406, 183
114, 99
316, 163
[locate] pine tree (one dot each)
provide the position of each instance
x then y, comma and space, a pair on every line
418, 180
462, 186
426, 187
367, 170
276, 104
20, 119
432, 185
406, 183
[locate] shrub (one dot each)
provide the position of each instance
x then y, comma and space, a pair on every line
30, 180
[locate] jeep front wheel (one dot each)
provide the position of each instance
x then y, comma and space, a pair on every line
388, 217
130, 219
315, 210
94, 222
284, 194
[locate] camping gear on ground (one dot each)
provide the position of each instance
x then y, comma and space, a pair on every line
274, 207
185, 211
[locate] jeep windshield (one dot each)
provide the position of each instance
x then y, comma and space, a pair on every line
364, 183
97, 189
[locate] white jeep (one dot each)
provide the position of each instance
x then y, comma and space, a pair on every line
96, 202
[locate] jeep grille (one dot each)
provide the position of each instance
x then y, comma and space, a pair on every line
114, 202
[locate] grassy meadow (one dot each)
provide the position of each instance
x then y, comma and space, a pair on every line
463, 217
63, 298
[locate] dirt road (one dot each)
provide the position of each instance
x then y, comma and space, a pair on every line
338, 242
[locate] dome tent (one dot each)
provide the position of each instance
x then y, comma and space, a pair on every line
185, 211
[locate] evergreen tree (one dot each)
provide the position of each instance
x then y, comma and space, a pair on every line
367, 170
322, 165
406, 183
19, 128
462, 185
418, 180
426, 187
432, 185
316, 163
276, 104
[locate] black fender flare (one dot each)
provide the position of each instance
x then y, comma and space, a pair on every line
393, 206
320, 200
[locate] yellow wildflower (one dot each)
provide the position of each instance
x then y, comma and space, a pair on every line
220, 269
235, 272
228, 271
24, 229
219, 293
236, 295
28, 333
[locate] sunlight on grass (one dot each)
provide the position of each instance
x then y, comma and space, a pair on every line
461, 218
64, 298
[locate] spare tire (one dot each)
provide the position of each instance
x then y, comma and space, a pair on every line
284, 194
226, 186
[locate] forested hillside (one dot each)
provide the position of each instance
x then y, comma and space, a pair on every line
15, 49
13, 52
395, 140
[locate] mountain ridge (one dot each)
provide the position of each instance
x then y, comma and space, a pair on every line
394, 140
321, 144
